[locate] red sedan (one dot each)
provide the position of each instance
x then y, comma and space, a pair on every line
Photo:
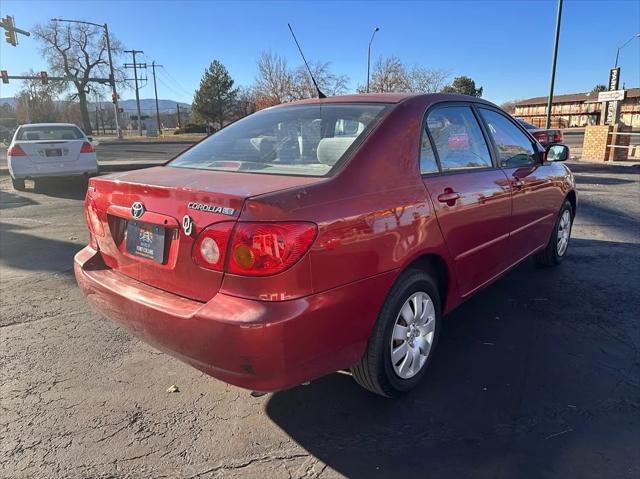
324, 235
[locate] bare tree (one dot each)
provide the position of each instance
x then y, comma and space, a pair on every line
427, 80
274, 81
35, 102
277, 83
329, 83
78, 51
389, 75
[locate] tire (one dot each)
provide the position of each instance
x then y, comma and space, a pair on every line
18, 184
376, 370
555, 251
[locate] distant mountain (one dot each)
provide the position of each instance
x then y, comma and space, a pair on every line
146, 105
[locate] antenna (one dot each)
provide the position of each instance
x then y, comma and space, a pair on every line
320, 94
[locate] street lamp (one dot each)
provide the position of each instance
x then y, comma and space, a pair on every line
112, 78
637, 35
369, 56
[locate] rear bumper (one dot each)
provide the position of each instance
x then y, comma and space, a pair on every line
30, 170
262, 346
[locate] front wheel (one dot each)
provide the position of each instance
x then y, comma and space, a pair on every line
556, 250
404, 337
18, 184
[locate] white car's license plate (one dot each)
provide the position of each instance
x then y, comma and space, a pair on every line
53, 152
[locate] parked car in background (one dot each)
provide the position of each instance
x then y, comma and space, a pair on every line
42, 150
543, 135
324, 235
5, 134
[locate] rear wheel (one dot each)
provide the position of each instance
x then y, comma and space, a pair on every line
18, 184
556, 250
404, 337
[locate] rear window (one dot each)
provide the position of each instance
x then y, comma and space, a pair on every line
35, 133
528, 126
307, 140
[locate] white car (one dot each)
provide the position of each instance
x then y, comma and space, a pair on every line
40, 150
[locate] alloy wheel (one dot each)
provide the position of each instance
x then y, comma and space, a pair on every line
413, 335
564, 231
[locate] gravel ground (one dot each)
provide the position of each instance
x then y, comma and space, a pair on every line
537, 376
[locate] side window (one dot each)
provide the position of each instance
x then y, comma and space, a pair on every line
428, 162
458, 138
514, 148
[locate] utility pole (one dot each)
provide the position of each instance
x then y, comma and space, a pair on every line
135, 67
553, 64
155, 90
178, 110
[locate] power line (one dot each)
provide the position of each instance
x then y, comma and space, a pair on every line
177, 83
135, 67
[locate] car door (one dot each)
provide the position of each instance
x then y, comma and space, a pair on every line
470, 195
533, 196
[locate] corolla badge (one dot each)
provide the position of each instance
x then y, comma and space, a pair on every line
137, 209
210, 208
187, 225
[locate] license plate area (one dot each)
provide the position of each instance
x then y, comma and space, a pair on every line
53, 152
146, 241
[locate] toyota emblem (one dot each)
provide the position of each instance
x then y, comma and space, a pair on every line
137, 209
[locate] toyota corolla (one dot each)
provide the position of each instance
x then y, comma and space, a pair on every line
324, 235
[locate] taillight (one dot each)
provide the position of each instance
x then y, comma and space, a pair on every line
541, 136
16, 150
95, 225
261, 249
87, 148
210, 248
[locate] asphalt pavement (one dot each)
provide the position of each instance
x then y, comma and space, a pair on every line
538, 376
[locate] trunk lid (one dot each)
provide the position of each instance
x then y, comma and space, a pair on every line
167, 195
58, 151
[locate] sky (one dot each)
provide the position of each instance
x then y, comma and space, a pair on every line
505, 46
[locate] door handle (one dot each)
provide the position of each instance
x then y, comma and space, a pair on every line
449, 197
517, 183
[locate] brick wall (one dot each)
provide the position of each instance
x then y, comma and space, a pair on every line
620, 154
595, 143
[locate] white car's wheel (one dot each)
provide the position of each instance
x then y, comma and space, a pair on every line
18, 183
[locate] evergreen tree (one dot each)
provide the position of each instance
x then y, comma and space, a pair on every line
464, 86
215, 98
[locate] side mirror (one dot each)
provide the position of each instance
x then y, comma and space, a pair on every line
557, 152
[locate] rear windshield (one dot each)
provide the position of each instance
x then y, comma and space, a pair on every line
34, 133
307, 140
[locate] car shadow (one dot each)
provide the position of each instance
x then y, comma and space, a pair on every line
9, 200
510, 391
22, 250
66, 188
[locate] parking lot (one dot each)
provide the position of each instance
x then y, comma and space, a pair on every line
536, 376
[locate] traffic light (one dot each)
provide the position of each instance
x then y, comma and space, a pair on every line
5, 76
114, 97
44, 77
10, 31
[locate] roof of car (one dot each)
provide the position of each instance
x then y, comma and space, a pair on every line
48, 124
385, 98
